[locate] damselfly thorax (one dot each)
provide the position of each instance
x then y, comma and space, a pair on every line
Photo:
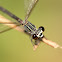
32, 30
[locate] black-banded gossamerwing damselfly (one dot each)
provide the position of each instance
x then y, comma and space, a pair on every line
27, 27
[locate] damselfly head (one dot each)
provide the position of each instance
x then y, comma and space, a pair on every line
39, 32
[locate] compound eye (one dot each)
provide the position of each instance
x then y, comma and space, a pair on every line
35, 36
42, 28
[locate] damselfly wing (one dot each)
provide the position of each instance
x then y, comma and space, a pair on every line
29, 5
5, 24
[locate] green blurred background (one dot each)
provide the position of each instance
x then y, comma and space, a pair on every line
16, 46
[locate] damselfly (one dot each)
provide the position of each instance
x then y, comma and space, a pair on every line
28, 28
